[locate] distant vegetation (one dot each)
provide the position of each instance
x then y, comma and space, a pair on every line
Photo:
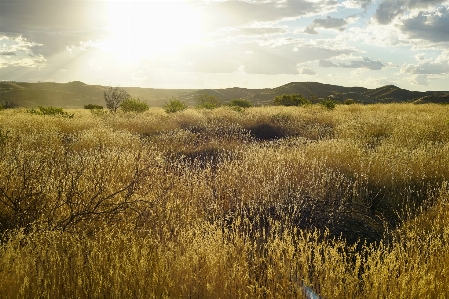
52, 111
262, 202
92, 106
291, 100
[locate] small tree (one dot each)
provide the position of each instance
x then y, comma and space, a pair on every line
134, 105
208, 102
114, 97
290, 100
174, 105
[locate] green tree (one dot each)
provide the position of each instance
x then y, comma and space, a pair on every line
290, 100
114, 97
174, 105
207, 101
134, 105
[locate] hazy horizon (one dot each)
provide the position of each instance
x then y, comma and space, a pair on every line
196, 44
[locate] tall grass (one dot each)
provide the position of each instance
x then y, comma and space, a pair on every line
256, 203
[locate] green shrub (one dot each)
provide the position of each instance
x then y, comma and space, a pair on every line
7, 105
290, 100
52, 111
92, 106
242, 103
328, 103
349, 102
174, 105
134, 105
206, 101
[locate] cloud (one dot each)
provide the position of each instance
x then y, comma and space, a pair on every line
427, 66
388, 10
429, 26
307, 71
52, 24
328, 23
220, 14
366, 63
276, 57
357, 3
419, 80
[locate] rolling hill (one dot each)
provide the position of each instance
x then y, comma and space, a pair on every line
77, 94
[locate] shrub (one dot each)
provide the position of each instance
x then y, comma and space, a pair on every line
328, 103
7, 105
208, 102
52, 111
349, 102
242, 103
92, 106
290, 100
134, 105
114, 97
174, 105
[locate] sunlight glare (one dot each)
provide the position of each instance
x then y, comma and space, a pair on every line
144, 29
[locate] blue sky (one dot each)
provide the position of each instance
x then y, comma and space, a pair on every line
219, 44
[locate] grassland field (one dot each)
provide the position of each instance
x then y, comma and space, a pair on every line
352, 202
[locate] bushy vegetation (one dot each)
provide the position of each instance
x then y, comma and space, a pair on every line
291, 100
114, 97
7, 105
134, 105
52, 111
351, 202
206, 101
241, 103
92, 106
328, 103
174, 105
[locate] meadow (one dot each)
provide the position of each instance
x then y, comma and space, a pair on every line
352, 202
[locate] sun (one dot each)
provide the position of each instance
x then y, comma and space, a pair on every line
146, 29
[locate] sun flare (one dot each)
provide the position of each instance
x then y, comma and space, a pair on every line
146, 29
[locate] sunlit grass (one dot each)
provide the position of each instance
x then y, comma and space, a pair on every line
351, 202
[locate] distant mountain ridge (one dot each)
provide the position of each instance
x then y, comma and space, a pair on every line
77, 94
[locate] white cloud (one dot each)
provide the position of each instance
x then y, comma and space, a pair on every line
366, 63
388, 10
440, 65
419, 80
357, 3
307, 71
429, 26
328, 23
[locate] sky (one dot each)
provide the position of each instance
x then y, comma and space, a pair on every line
219, 43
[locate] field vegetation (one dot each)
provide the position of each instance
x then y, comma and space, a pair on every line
260, 202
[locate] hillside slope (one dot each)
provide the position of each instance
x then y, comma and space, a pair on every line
77, 94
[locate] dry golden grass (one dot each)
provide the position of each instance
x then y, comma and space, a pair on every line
352, 202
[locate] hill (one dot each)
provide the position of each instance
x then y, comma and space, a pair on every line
77, 94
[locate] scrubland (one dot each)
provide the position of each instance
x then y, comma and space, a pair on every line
351, 202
